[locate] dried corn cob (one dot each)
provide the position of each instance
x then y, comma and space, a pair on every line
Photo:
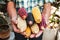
22, 13
35, 28
28, 32
21, 24
30, 19
37, 14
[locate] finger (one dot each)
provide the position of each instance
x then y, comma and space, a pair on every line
23, 33
15, 28
32, 35
39, 34
42, 27
14, 20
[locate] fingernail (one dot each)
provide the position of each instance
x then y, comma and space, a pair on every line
16, 22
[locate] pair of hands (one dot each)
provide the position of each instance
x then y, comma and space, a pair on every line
45, 14
14, 25
13, 15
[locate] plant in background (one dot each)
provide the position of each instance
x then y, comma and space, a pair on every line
4, 28
54, 19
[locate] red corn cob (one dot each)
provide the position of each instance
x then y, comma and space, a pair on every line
22, 13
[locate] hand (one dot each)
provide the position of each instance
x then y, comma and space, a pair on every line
36, 35
39, 34
13, 15
14, 24
46, 12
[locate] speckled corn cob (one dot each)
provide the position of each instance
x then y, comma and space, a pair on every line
35, 28
22, 13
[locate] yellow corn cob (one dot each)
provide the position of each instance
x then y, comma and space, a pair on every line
21, 24
35, 28
37, 14
27, 32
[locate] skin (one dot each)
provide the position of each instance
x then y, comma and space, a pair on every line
13, 15
46, 14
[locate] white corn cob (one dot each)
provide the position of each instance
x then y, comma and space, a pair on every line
21, 24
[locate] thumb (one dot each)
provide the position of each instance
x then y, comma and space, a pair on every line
14, 20
39, 34
32, 35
